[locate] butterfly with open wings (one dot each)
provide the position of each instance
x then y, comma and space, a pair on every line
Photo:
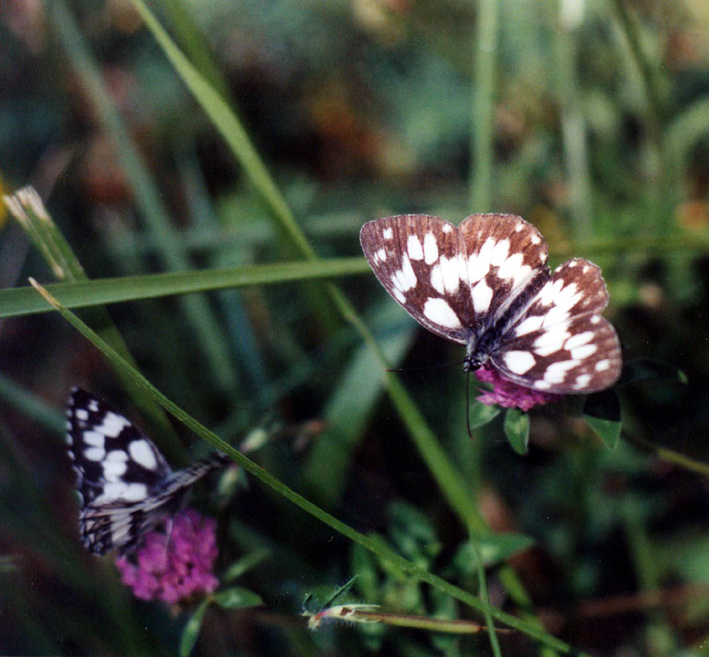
126, 487
486, 284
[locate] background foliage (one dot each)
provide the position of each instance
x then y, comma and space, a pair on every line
258, 120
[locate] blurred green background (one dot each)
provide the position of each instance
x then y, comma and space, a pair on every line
589, 119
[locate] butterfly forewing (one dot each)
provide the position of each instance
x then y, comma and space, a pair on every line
417, 259
112, 458
503, 254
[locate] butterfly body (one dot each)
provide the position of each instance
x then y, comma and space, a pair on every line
485, 284
125, 486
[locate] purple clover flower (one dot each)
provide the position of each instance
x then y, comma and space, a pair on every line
174, 567
510, 395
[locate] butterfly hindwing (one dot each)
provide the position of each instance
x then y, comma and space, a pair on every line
416, 258
580, 354
561, 342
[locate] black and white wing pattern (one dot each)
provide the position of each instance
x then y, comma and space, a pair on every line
486, 284
125, 486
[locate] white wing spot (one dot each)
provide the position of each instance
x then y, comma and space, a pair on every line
430, 248
510, 267
535, 239
119, 490
482, 295
556, 372
116, 455
94, 438
479, 263
439, 312
94, 453
381, 255
398, 295
118, 533
529, 325
81, 414
437, 279
113, 470
141, 452
519, 227
447, 228
408, 273
551, 341
596, 319
112, 425
388, 233
582, 381
404, 279
542, 385
578, 340
581, 353
499, 253
603, 365
450, 270
413, 246
519, 362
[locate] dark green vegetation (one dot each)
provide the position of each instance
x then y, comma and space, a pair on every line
250, 140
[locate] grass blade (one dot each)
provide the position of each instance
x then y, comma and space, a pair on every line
24, 301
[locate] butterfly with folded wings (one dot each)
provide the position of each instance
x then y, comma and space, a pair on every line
126, 487
485, 284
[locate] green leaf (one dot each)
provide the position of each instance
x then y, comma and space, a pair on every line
602, 413
494, 549
192, 628
352, 402
25, 301
517, 430
646, 369
482, 414
236, 597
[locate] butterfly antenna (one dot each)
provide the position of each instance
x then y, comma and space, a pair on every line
425, 367
467, 403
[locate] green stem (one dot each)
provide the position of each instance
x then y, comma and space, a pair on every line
367, 614
483, 106
669, 455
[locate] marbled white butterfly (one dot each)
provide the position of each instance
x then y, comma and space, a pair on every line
486, 284
126, 487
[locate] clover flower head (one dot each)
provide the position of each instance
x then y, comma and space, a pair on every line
174, 566
508, 394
